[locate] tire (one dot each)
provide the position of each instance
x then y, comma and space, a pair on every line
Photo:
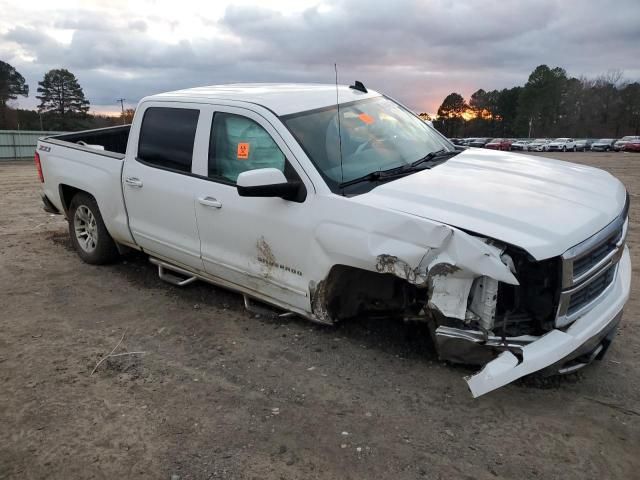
89, 235
575, 149
564, 148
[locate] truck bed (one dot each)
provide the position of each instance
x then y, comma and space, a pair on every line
91, 161
112, 139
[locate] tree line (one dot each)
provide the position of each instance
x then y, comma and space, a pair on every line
63, 105
550, 104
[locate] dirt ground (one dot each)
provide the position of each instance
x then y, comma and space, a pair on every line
224, 393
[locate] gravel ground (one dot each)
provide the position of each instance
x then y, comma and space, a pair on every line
223, 393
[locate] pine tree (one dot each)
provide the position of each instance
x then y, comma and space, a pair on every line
11, 84
61, 95
450, 114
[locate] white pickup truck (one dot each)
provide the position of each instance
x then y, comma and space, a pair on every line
332, 210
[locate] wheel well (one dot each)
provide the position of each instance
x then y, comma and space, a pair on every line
67, 193
351, 291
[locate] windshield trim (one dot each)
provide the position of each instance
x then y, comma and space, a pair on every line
329, 182
289, 116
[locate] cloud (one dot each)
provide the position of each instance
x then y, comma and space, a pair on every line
416, 51
27, 37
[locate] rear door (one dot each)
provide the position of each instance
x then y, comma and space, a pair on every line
158, 183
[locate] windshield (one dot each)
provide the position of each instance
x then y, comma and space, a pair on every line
375, 134
561, 139
605, 140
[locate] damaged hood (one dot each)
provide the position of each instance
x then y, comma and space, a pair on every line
542, 205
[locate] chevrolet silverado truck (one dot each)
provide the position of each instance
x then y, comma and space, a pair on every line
335, 202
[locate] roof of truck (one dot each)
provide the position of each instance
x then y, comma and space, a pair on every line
281, 98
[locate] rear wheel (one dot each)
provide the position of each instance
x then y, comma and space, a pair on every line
88, 232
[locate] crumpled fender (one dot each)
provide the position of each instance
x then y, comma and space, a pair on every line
470, 254
409, 248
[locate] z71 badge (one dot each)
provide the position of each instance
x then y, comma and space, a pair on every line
44, 148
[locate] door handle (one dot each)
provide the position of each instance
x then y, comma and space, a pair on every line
210, 202
133, 181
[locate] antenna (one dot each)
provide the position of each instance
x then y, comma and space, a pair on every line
335, 67
121, 100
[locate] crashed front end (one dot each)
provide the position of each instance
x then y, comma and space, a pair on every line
555, 315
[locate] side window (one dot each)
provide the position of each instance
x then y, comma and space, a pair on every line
238, 144
167, 136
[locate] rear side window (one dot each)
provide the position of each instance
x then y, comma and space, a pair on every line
167, 136
239, 144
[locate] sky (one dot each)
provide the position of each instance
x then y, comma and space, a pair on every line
416, 51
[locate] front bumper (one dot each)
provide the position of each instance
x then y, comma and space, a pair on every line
557, 349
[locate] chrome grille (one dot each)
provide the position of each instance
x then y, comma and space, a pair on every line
590, 259
590, 292
589, 269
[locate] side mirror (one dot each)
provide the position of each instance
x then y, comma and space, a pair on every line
268, 182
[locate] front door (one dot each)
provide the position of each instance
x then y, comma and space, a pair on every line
259, 243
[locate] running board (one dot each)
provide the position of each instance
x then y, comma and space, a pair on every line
170, 277
261, 309
251, 305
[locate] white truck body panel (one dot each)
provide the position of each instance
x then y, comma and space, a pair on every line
552, 205
92, 172
436, 229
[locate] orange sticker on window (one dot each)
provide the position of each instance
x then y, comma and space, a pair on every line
368, 119
243, 151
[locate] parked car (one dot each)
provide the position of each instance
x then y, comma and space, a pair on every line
561, 145
538, 145
520, 145
603, 145
479, 142
621, 143
244, 186
457, 141
584, 144
632, 146
499, 144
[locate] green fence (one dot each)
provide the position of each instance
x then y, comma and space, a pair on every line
17, 144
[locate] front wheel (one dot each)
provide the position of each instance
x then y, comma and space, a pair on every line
564, 148
88, 232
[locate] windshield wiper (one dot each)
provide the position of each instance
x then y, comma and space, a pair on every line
438, 155
376, 176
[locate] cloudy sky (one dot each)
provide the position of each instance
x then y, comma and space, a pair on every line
416, 51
